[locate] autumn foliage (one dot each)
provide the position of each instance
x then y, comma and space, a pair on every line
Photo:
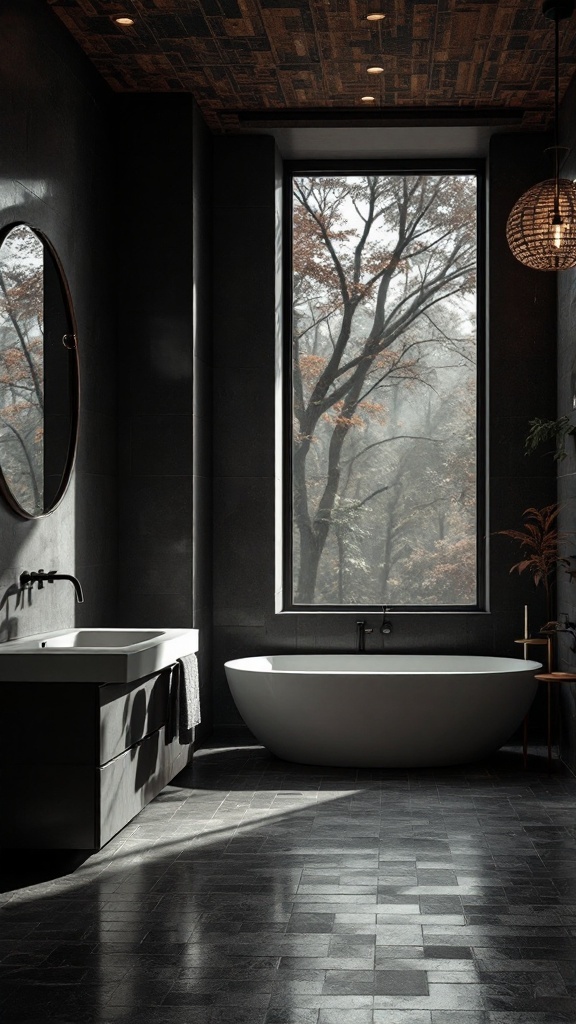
539, 542
383, 375
21, 366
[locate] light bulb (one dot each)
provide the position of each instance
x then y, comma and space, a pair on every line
558, 229
374, 70
124, 20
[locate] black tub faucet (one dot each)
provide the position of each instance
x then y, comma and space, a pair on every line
361, 630
562, 627
386, 626
28, 579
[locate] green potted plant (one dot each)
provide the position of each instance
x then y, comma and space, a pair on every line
547, 430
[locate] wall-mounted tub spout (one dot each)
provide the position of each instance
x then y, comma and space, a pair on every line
562, 627
28, 579
361, 630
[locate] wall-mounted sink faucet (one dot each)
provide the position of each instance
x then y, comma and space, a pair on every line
562, 627
28, 579
361, 630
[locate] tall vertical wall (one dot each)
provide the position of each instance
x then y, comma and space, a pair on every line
247, 232
162, 236
55, 159
567, 467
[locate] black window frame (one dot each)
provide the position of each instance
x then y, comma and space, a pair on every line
293, 169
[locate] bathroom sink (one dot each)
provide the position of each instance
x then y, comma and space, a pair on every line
94, 655
101, 638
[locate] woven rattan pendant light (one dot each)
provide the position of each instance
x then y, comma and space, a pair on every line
541, 229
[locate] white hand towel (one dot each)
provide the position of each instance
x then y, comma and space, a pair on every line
189, 693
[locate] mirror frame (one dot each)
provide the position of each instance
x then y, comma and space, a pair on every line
73, 383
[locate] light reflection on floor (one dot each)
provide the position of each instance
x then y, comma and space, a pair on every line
255, 891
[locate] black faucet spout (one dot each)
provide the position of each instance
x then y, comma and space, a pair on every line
361, 630
75, 583
28, 579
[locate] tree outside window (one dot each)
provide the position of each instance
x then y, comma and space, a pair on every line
384, 390
22, 442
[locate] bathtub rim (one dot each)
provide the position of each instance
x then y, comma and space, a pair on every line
264, 663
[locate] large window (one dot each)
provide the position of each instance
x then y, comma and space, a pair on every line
384, 391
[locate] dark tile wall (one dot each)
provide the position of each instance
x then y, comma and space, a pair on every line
567, 468
246, 226
246, 322
55, 161
163, 183
522, 375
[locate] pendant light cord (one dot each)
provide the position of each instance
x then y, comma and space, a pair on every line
556, 99
541, 227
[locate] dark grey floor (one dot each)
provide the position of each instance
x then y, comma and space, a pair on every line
254, 891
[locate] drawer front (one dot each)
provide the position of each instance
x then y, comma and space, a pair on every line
131, 711
129, 782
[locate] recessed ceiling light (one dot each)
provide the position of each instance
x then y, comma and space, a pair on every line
375, 16
368, 99
123, 19
374, 70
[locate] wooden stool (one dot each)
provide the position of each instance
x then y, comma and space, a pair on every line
549, 678
528, 641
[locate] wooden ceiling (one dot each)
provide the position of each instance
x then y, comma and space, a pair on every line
298, 58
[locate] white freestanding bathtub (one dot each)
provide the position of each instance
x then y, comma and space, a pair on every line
380, 710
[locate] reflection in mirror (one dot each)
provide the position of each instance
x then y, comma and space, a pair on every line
38, 374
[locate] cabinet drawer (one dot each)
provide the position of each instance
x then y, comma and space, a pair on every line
131, 711
128, 783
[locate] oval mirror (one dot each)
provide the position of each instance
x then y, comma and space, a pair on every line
39, 383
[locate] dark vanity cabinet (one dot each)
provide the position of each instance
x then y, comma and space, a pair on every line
79, 760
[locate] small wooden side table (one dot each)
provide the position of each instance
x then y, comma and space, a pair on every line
549, 678
529, 641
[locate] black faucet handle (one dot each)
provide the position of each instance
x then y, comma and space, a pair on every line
386, 625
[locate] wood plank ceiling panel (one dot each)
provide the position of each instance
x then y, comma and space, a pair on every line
242, 56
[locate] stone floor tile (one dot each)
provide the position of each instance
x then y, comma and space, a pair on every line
292, 1015
404, 983
358, 1016
522, 1017
391, 1016
448, 952
259, 892
386, 953
461, 1017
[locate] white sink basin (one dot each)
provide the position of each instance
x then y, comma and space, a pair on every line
102, 638
94, 655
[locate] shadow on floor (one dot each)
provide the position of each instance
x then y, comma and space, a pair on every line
22, 868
